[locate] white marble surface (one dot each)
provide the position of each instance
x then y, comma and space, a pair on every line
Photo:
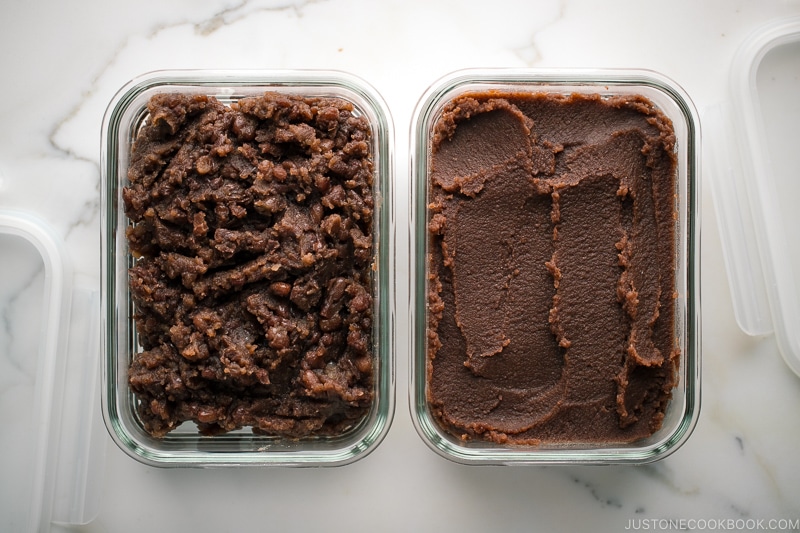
63, 61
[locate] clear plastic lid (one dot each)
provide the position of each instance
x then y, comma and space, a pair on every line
52, 437
754, 157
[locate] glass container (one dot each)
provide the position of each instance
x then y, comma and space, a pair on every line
184, 446
683, 407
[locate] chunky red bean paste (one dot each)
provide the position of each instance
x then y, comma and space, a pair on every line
251, 229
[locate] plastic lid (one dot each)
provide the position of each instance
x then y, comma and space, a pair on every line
753, 145
52, 436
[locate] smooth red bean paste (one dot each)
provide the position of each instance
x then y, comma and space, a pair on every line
252, 233
551, 301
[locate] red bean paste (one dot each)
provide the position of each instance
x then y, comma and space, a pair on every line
551, 301
252, 233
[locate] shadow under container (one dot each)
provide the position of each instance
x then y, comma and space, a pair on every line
433, 417
185, 446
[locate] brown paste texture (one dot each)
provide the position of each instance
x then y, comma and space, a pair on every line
551, 268
251, 225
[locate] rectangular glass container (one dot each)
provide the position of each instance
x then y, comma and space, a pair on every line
683, 408
184, 446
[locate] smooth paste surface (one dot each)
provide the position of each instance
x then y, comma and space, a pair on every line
551, 268
252, 229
